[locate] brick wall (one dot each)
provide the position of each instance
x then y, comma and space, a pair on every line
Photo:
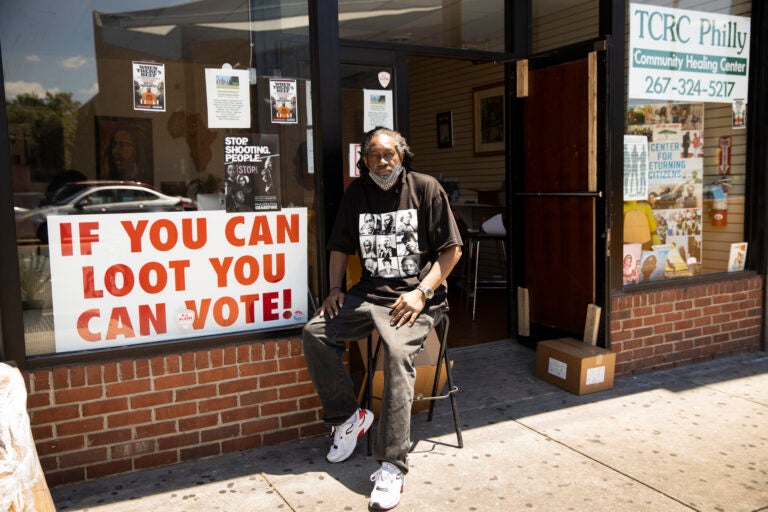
101, 419
661, 329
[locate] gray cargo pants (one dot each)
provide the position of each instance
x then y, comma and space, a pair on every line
324, 345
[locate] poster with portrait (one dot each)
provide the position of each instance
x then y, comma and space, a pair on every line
251, 173
282, 97
148, 86
124, 149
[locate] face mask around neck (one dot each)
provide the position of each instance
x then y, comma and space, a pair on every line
387, 182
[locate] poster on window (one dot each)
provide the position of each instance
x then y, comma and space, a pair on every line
377, 108
126, 279
251, 173
282, 98
148, 86
673, 200
684, 55
228, 97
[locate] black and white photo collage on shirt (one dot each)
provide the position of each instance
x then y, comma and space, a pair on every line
389, 243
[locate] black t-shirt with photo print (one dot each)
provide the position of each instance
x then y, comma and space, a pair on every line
397, 234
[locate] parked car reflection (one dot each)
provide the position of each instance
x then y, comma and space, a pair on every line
83, 197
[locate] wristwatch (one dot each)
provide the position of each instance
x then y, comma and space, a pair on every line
426, 290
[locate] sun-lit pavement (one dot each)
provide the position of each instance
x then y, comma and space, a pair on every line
690, 438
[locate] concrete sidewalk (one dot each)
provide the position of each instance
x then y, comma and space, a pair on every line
690, 438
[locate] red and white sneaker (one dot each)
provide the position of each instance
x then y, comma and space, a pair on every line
345, 436
387, 488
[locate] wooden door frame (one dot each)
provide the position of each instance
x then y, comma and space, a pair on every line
599, 48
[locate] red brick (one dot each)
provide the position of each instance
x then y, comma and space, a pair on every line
79, 395
60, 445
77, 376
217, 404
281, 436
177, 441
238, 386
126, 370
239, 414
217, 374
257, 368
111, 436
278, 408
105, 406
296, 391
260, 425
38, 401
60, 378
292, 363
175, 381
276, 380
114, 467
156, 459
82, 458
300, 418
195, 393
199, 452
93, 375
202, 360
110, 372
258, 397
42, 381
54, 477
129, 418
41, 432
133, 449
188, 362
240, 443
175, 411
172, 364
219, 433
155, 429
151, 400
54, 414
86, 426
157, 366
133, 387
198, 422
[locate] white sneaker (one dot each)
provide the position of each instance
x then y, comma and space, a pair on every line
345, 436
387, 487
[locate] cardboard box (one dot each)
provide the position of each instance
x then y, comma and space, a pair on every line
575, 366
426, 366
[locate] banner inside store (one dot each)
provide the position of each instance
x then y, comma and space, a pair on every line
124, 279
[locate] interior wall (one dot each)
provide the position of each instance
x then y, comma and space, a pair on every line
445, 85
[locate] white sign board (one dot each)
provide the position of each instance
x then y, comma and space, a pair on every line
124, 279
682, 55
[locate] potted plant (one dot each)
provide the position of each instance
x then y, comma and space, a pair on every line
34, 276
208, 190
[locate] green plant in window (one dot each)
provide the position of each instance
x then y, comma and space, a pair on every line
34, 275
208, 184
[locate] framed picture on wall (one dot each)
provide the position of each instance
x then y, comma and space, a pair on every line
124, 149
445, 130
488, 119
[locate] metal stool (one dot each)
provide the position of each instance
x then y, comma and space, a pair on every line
442, 330
472, 281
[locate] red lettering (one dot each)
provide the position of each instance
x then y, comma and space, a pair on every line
229, 231
179, 276
120, 324
110, 280
274, 271
221, 267
186, 233
260, 232
249, 306
82, 325
269, 305
171, 235
161, 277
156, 318
65, 234
135, 233
246, 270
89, 286
89, 234
225, 311
284, 228
201, 315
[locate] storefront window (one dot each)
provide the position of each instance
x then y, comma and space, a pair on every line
684, 148
465, 24
142, 143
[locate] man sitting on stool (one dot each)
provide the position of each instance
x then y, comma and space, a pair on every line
402, 308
